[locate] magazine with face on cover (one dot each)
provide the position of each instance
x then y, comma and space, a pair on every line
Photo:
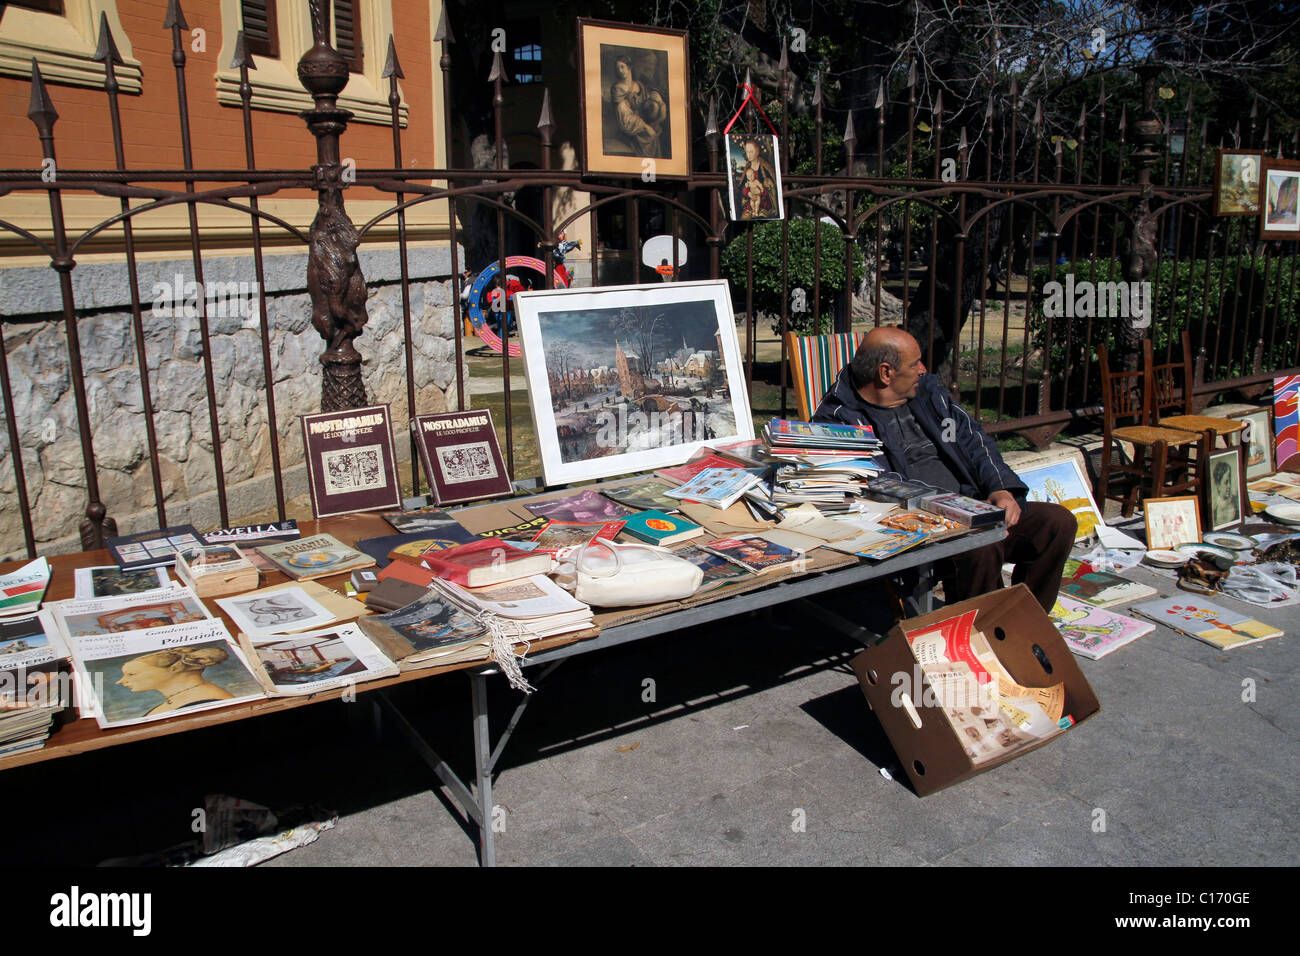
156, 673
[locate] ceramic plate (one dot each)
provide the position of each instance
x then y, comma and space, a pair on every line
1192, 550
1287, 514
1165, 559
1234, 542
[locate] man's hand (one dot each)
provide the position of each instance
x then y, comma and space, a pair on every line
1005, 499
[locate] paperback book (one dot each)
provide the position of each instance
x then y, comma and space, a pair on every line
152, 549
753, 553
567, 534
717, 569
715, 487
30, 642
658, 527
428, 629
432, 522
585, 507
109, 581
22, 591
215, 569
320, 660
350, 462
415, 546
315, 557
154, 674
286, 530
681, 473
273, 612
644, 495
461, 456
970, 512
1207, 621
1092, 632
127, 612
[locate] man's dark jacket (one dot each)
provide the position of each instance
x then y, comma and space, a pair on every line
968, 452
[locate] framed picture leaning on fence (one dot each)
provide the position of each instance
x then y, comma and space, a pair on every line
635, 100
630, 378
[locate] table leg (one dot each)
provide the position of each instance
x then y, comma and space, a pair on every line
483, 770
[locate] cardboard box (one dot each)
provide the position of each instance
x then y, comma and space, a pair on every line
1029, 648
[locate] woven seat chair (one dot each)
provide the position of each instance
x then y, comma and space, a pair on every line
1172, 392
1162, 463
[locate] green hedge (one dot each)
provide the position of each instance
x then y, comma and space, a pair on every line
1182, 285
802, 261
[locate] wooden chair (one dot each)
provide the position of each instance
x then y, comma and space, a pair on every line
1171, 386
1161, 456
815, 360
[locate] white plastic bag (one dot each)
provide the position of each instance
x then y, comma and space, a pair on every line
609, 574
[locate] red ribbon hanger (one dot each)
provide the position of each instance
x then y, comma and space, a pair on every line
749, 98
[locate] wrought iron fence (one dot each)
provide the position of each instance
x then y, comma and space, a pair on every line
1040, 209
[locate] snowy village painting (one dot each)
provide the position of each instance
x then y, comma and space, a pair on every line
629, 378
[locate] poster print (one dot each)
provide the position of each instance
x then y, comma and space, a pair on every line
1286, 422
461, 456
635, 99
631, 378
1236, 182
350, 463
754, 176
1279, 216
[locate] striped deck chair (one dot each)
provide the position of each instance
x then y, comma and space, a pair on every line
815, 360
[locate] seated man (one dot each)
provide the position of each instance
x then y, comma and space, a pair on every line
930, 438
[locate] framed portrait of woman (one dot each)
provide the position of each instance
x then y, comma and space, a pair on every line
635, 100
1225, 489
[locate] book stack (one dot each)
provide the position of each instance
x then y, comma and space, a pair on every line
525, 609
216, 570
784, 438
715, 487
32, 658
485, 562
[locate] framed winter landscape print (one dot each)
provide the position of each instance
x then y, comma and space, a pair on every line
1279, 215
1236, 182
634, 100
631, 378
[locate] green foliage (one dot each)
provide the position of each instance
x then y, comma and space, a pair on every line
802, 270
1242, 303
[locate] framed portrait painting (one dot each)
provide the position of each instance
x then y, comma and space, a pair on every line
631, 378
635, 100
754, 176
1064, 483
1279, 214
1236, 182
1258, 439
1172, 521
1225, 489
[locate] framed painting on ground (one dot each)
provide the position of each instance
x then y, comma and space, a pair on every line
631, 378
1064, 483
635, 100
1171, 521
1258, 439
1225, 489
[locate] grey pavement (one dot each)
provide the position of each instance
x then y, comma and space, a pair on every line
757, 749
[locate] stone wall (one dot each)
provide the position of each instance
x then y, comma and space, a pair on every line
45, 409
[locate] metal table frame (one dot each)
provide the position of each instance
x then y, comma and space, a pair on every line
477, 802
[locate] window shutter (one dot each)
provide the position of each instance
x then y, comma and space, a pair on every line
347, 32
260, 31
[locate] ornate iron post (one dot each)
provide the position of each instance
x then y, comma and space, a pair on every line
1142, 243
334, 280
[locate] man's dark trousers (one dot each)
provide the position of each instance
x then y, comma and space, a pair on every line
1038, 545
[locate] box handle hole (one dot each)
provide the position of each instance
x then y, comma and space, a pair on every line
1000, 634
872, 677
1042, 658
910, 709
919, 768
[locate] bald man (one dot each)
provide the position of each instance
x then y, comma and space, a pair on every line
928, 437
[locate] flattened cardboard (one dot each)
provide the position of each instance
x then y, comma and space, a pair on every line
1014, 623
